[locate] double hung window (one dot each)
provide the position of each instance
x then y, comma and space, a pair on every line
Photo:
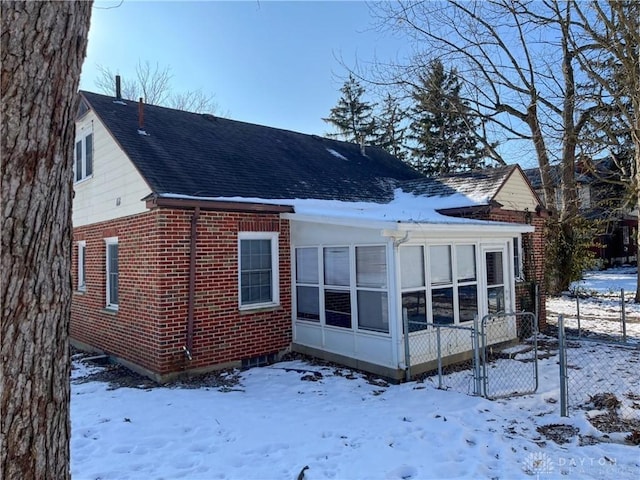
112, 273
258, 269
337, 283
414, 299
307, 284
371, 286
517, 259
82, 272
83, 165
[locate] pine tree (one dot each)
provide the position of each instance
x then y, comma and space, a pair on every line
390, 131
442, 129
352, 116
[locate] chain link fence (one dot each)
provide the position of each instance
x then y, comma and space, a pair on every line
444, 355
600, 377
509, 354
605, 316
493, 357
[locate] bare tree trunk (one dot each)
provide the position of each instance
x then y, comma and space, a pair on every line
43, 46
637, 179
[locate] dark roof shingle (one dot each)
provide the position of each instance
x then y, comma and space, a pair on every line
205, 156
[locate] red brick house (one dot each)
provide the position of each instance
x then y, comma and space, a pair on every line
202, 242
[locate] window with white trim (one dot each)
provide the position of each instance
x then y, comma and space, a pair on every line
518, 270
371, 288
83, 165
495, 282
330, 291
258, 269
337, 287
448, 294
82, 274
414, 297
112, 272
307, 284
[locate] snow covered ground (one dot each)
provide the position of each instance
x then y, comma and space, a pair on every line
599, 297
271, 422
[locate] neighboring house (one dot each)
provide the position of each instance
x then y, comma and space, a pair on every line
600, 201
202, 242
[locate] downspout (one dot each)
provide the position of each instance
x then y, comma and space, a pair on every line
192, 281
399, 241
405, 324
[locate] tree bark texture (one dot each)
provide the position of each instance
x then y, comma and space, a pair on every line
43, 47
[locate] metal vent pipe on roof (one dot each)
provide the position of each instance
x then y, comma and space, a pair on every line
118, 89
141, 114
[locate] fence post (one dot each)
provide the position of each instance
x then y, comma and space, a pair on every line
578, 314
536, 299
476, 356
623, 316
439, 356
562, 351
407, 354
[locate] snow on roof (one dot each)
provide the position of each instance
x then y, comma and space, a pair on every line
336, 154
404, 208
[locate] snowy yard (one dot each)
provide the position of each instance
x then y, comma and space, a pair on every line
271, 422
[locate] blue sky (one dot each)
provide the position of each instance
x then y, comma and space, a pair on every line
266, 62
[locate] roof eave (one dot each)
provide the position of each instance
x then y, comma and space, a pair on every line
223, 206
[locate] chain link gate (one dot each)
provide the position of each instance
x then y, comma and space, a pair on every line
494, 357
508, 354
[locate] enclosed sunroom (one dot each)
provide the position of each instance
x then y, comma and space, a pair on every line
360, 284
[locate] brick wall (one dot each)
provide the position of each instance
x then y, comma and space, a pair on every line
533, 246
150, 326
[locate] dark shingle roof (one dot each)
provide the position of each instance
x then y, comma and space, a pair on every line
479, 184
533, 174
205, 156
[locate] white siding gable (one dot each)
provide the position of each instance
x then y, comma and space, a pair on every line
116, 188
516, 194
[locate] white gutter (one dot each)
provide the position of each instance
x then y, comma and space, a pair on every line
399, 229
486, 226
341, 221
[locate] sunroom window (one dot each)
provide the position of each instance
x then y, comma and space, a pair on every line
337, 293
307, 284
371, 286
414, 300
452, 286
330, 291
441, 284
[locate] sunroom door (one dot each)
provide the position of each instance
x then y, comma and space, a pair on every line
496, 277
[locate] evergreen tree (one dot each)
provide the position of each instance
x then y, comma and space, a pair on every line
390, 132
352, 116
443, 131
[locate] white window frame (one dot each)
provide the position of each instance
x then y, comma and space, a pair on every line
80, 176
518, 260
109, 303
303, 284
352, 288
82, 274
275, 268
381, 289
454, 284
